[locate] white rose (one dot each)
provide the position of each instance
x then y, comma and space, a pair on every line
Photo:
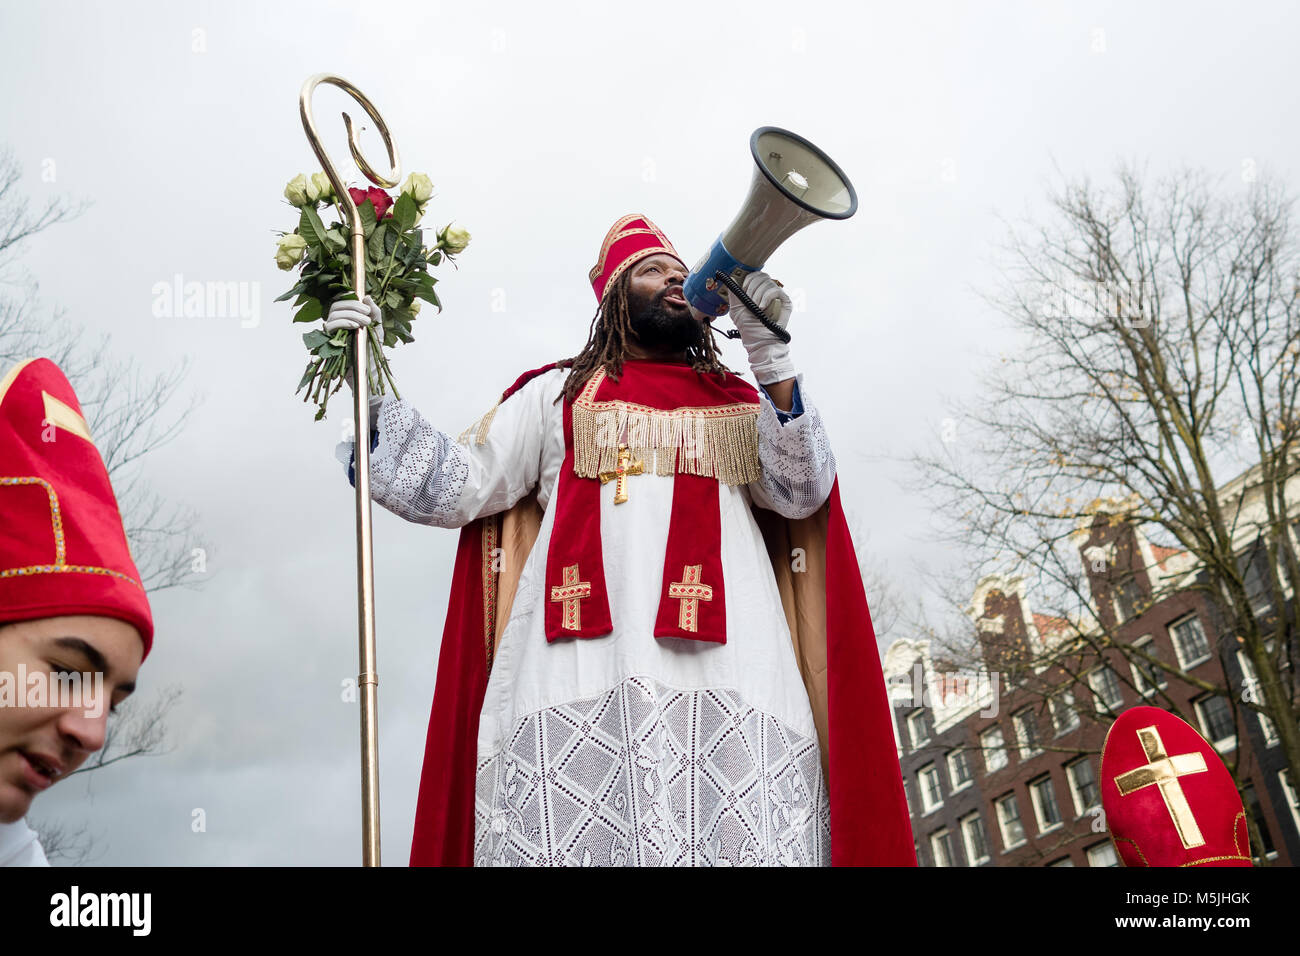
296, 190
419, 187
455, 239
289, 250
324, 188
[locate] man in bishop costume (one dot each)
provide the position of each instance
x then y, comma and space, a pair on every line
657, 648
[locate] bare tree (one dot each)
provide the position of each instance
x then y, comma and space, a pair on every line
131, 413
1159, 336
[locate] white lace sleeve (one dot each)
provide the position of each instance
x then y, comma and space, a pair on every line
425, 475
796, 459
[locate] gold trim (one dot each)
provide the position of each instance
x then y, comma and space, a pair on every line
60, 565
1214, 859
11, 375
62, 415
689, 591
479, 427
570, 596
489, 577
719, 441
1115, 839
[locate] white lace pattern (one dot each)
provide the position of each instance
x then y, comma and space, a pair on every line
416, 471
796, 458
648, 775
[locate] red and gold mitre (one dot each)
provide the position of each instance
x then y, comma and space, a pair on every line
1168, 798
629, 240
63, 548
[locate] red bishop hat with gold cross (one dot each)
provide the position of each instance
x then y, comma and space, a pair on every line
63, 548
628, 241
1168, 798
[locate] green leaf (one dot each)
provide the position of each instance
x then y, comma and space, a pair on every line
310, 312
393, 299
406, 212
311, 228
315, 339
375, 244
366, 213
307, 376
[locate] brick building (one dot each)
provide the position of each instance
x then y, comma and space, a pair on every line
1001, 758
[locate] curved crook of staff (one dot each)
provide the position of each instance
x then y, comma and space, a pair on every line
368, 679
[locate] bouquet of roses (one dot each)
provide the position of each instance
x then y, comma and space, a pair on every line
397, 273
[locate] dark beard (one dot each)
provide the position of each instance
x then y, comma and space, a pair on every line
672, 328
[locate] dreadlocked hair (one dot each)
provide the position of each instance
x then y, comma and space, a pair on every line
608, 337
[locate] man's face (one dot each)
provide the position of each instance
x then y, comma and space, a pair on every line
40, 745
660, 316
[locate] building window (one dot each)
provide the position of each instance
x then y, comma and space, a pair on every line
1142, 669
1064, 717
1129, 599
927, 781
1013, 831
1027, 733
1216, 722
1190, 642
995, 749
1250, 801
1255, 579
1063, 861
1103, 854
959, 771
1292, 798
976, 839
1043, 792
941, 848
918, 728
1106, 694
1083, 786
1251, 691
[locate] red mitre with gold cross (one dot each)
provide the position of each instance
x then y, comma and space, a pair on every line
628, 241
63, 548
1168, 798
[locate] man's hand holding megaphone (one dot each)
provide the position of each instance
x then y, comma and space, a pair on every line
769, 357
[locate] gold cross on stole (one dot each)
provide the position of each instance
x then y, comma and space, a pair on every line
570, 595
1163, 771
690, 592
625, 467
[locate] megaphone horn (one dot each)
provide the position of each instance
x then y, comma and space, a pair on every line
794, 183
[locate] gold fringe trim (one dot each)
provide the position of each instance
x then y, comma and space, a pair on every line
479, 429
716, 442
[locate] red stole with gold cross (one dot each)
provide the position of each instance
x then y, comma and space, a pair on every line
700, 429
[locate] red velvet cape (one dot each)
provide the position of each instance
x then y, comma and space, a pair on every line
870, 824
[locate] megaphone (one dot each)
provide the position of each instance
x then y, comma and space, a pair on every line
794, 183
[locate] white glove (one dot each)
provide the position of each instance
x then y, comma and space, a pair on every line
769, 357
351, 314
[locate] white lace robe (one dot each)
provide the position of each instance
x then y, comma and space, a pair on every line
629, 749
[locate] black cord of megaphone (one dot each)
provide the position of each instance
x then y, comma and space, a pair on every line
749, 303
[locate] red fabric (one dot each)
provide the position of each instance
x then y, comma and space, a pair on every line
444, 812
1142, 825
870, 823
629, 240
54, 487
694, 538
672, 385
575, 540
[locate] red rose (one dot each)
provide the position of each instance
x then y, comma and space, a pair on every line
378, 198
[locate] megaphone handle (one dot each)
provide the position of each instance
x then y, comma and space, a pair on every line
749, 303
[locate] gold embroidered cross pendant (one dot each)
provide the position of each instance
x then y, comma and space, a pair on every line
1163, 771
690, 592
625, 467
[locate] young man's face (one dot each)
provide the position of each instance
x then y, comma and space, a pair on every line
660, 315
40, 745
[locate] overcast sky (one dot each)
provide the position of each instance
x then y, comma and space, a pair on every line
540, 124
